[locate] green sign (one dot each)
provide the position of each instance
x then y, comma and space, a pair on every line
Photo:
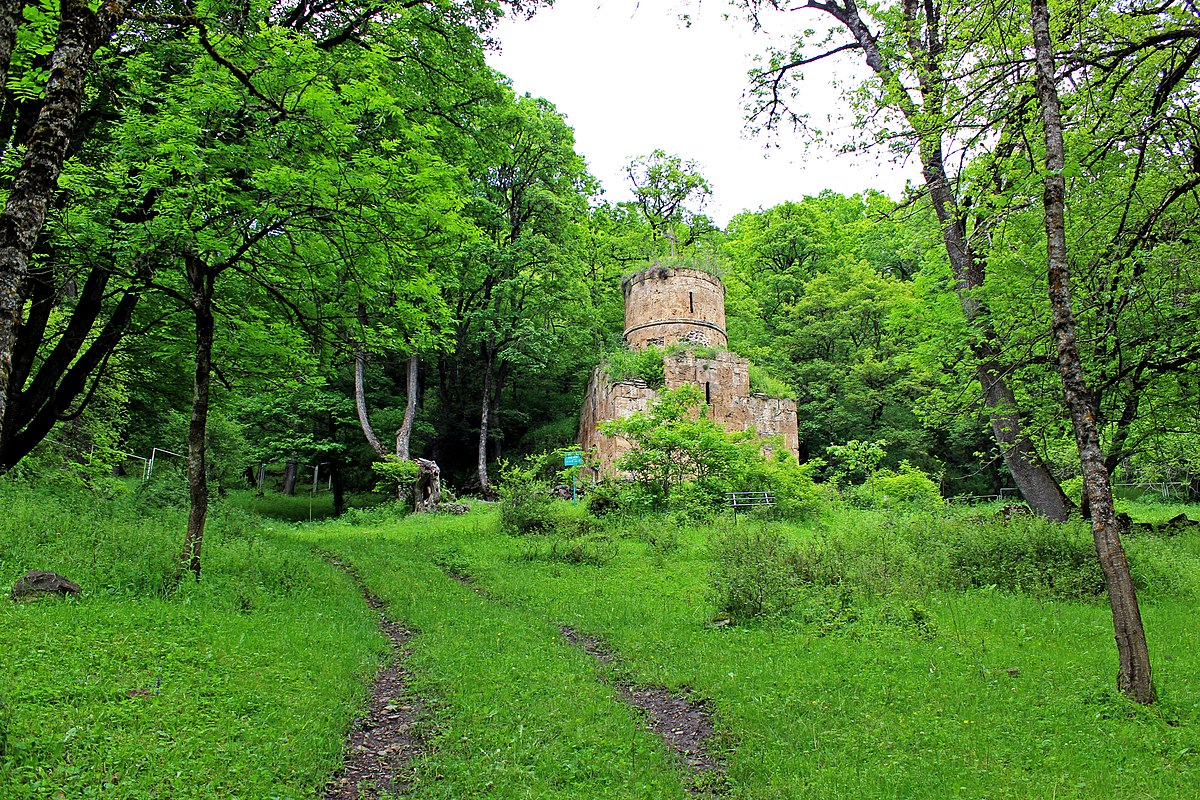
573, 460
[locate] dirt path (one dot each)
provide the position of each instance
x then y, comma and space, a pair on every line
684, 723
381, 745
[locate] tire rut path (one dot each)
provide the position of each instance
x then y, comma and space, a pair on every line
683, 722
384, 741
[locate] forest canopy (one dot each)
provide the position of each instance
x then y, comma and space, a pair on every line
234, 232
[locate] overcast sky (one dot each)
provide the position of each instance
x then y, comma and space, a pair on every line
629, 77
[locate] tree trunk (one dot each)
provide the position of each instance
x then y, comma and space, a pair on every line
201, 280
80, 32
404, 434
427, 492
11, 13
337, 481
360, 404
291, 472
1133, 676
485, 486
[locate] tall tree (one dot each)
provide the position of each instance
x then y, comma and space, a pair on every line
671, 192
916, 53
530, 191
81, 30
1134, 674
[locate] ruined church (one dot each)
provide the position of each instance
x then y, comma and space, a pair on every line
665, 305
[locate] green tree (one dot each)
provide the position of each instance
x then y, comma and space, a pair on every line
1134, 673
919, 55
675, 442
671, 192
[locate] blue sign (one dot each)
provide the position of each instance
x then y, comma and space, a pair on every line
573, 460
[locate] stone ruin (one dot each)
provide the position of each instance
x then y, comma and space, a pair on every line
665, 305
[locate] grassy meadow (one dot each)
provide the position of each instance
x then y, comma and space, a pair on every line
944, 654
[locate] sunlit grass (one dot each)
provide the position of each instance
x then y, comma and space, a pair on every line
888, 683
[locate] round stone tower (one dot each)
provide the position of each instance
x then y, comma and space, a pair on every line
668, 304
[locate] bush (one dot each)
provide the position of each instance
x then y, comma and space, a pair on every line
606, 497
762, 382
525, 503
797, 495
756, 573
396, 476
906, 487
1028, 555
167, 489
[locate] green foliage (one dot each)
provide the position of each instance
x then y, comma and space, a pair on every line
526, 505
167, 488
856, 461
682, 347
397, 475
645, 365
762, 382
671, 192
1025, 555
676, 443
905, 487
606, 497
756, 572
797, 495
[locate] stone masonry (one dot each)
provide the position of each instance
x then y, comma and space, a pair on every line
662, 306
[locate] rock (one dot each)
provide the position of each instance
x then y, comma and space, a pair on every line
37, 582
1014, 510
1177, 525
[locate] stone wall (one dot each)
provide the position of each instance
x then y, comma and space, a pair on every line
668, 304
606, 400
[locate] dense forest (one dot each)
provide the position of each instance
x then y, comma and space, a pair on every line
232, 229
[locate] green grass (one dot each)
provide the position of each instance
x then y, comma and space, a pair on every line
519, 713
303, 506
253, 676
807, 705
241, 686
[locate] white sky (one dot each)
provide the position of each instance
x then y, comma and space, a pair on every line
629, 77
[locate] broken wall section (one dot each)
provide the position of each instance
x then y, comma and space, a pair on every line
725, 381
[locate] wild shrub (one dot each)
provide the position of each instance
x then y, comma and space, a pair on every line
574, 538
526, 505
627, 365
674, 444
606, 498
797, 494
595, 549
1029, 555
167, 489
694, 504
396, 476
905, 487
762, 382
868, 552
756, 572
